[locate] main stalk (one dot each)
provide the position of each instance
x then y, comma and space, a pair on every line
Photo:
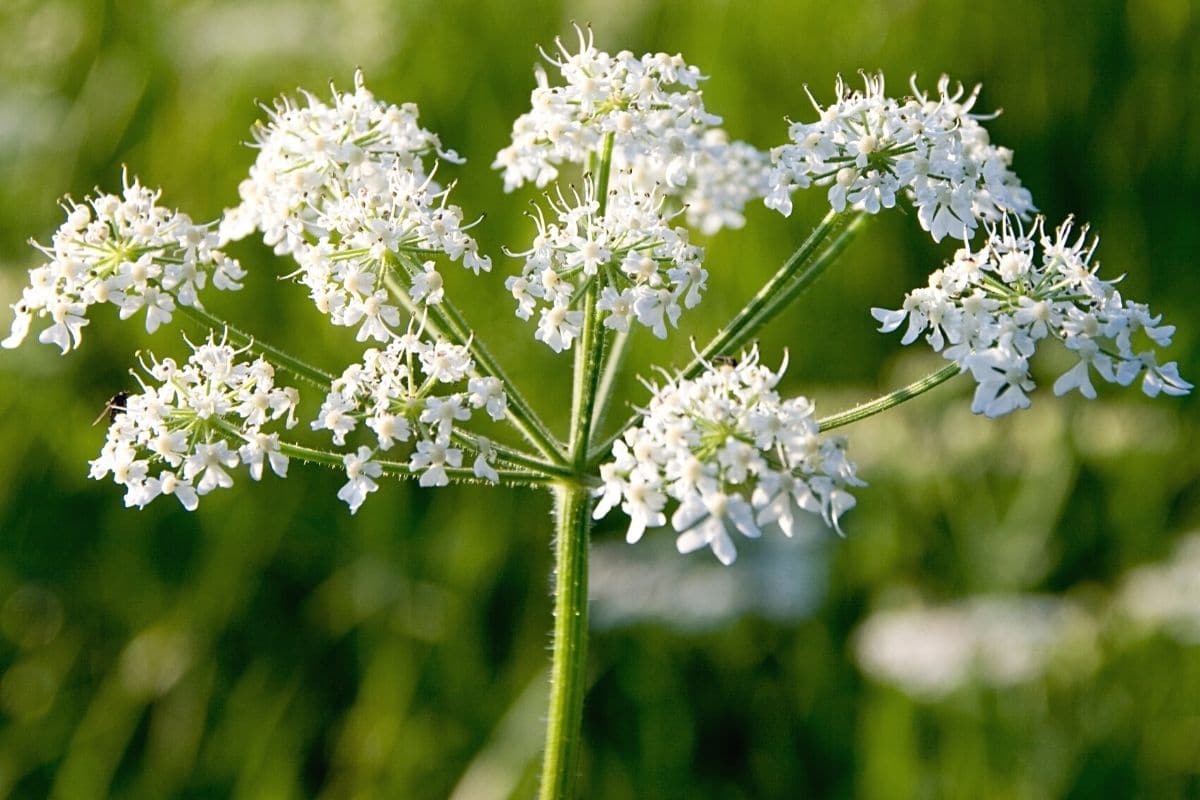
572, 523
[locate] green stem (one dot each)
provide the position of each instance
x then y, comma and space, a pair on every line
572, 517
588, 353
311, 374
822, 247
397, 469
608, 378
808, 257
889, 400
447, 321
787, 294
572, 507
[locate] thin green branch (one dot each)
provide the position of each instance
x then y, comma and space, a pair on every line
446, 320
788, 294
889, 400
614, 359
588, 353
314, 375
805, 264
397, 469
818, 251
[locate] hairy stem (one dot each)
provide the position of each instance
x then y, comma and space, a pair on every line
822, 247
513, 477
572, 519
889, 400
447, 321
318, 377
588, 354
572, 506
613, 360
809, 260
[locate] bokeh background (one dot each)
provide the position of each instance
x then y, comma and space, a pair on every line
1014, 613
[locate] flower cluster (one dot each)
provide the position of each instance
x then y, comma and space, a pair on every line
125, 250
651, 105
344, 188
733, 454
987, 310
653, 109
395, 393
722, 179
644, 269
868, 148
191, 424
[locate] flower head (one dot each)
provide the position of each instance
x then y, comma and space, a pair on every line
988, 310
663, 136
194, 423
399, 393
869, 148
733, 454
345, 189
643, 269
125, 250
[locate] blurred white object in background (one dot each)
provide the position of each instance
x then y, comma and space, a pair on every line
1166, 596
998, 641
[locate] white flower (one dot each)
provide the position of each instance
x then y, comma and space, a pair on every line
663, 137
645, 269
445, 362
181, 421
643, 502
168, 482
558, 327
434, 458
427, 285
259, 445
733, 454
361, 471
701, 521
482, 467
987, 310
442, 412
209, 462
344, 188
399, 393
868, 148
123, 250
488, 393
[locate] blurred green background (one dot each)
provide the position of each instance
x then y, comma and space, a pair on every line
271, 646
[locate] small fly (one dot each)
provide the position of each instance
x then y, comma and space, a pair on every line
114, 406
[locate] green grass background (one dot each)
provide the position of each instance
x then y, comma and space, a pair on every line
271, 646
